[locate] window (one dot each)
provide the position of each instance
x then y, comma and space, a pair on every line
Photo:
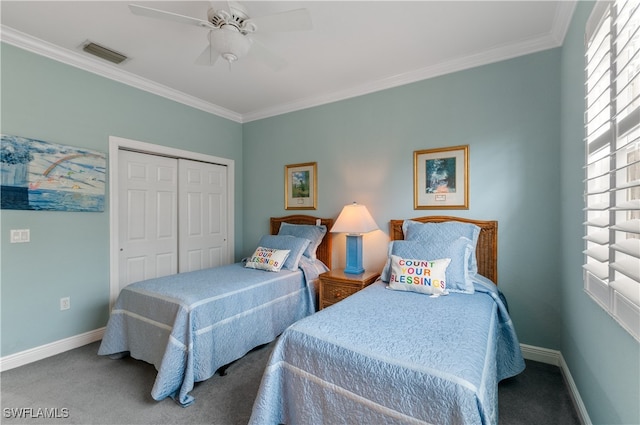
612, 172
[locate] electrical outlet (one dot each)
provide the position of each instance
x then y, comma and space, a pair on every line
65, 303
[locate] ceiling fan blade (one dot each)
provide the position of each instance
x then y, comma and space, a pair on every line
260, 53
291, 20
168, 16
208, 57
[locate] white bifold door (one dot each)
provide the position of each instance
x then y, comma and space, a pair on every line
172, 216
202, 212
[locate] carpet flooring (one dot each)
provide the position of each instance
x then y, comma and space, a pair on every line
80, 387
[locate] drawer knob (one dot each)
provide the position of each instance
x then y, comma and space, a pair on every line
337, 294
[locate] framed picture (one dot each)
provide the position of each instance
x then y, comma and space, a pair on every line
300, 186
441, 178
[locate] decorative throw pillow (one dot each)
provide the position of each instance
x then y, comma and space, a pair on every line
305, 231
445, 232
267, 259
459, 251
424, 276
293, 244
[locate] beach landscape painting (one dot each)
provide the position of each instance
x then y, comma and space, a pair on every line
38, 175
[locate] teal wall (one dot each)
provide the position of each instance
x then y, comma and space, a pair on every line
604, 359
69, 252
509, 115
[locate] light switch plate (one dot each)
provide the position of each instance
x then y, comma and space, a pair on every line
20, 235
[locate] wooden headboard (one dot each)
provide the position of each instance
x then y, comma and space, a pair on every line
324, 249
486, 249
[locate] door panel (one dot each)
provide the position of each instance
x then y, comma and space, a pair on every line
148, 230
202, 194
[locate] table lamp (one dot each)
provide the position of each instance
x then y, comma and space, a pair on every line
354, 220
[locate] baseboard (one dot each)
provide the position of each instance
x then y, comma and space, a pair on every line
48, 350
554, 357
539, 354
583, 415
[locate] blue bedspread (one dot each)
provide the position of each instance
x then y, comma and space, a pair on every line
190, 324
391, 357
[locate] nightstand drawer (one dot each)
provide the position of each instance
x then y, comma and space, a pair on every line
336, 285
334, 292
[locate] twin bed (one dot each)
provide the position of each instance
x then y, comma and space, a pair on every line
398, 357
189, 325
379, 356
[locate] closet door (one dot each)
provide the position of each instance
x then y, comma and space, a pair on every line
148, 216
202, 227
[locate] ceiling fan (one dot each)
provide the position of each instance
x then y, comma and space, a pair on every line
232, 31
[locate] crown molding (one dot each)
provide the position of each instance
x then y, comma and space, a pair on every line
69, 57
562, 20
491, 56
553, 39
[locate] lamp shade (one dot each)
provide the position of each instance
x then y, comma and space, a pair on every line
230, 43
354, 219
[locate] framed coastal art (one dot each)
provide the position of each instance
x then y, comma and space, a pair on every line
38, 175
441, 178
300, 186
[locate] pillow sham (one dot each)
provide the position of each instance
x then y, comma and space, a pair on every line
291, 243
423, 276
314, 233
458, 277
267, 259
445, 232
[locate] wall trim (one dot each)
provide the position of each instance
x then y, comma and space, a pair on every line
542, 355
42, 352
554, 357
553, 39
497, 54
98, 67
583, 415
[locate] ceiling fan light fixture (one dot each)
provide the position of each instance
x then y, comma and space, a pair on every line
230, 28
230, 43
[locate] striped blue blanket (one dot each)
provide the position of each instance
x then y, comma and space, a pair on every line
190, 324
391, 357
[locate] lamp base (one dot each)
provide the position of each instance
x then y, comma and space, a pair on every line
354, 255
353, 270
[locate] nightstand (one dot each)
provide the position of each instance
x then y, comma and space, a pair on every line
336, 285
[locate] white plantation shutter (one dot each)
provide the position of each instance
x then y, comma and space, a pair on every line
612, 171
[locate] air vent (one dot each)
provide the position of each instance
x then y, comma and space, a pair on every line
104, 53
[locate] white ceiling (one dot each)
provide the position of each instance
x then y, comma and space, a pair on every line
355, 47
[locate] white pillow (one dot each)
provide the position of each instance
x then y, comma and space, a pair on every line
269, 259
424, 276
459, 251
